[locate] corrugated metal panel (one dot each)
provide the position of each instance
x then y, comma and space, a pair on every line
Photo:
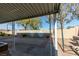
14, 11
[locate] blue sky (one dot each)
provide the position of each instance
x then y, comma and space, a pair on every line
43, 19
74, 22
45, 25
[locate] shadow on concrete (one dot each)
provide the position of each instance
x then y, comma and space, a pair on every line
32, 44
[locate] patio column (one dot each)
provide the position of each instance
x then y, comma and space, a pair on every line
51, 39
55, 34
13, 35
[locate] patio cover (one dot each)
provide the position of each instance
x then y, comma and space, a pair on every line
17, 11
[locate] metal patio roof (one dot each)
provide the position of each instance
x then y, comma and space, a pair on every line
17, 11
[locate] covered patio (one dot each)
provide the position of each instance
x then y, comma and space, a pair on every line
11, 12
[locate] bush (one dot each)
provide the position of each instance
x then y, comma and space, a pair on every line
24, 35
2, 34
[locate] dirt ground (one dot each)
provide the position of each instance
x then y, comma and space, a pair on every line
67, 47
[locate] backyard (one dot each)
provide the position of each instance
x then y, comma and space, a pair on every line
27, 46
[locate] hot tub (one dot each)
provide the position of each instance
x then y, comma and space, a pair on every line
3, 46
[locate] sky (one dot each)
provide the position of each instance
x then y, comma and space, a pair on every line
43, 19
74, 22
45, 25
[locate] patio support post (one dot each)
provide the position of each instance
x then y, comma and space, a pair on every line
50, 35
55, 34
13, 33
7, 27
55, 43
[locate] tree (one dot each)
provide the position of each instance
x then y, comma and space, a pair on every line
70, 27
32, 23
35, 23
68, 12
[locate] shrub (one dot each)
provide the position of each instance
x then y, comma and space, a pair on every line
24, 35
2, 34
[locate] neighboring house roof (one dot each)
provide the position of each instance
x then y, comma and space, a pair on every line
17, 11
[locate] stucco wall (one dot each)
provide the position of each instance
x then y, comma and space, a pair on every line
68, 33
